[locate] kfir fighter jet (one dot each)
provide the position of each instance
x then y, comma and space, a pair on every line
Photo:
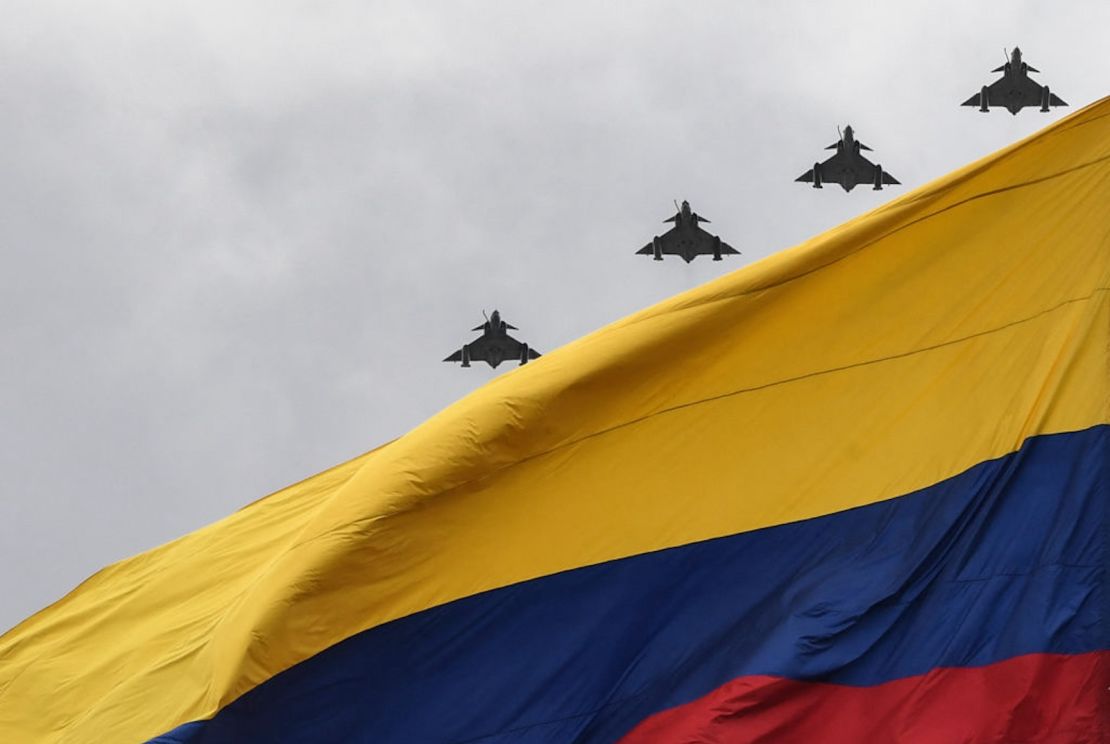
848, 167
686, 240
1015, 89
494, 346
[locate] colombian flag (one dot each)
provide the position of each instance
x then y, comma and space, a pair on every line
856, 492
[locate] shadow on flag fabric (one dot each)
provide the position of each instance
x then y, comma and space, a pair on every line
855, 492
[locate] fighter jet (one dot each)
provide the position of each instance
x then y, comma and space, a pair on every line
847, 167
686, 239
1015, 89
494, 346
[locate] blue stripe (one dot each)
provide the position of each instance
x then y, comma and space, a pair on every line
1005, 559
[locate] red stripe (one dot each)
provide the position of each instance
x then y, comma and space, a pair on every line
1043, 698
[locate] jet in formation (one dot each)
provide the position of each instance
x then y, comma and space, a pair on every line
848, 167
1015, 89
686, 240
494, 346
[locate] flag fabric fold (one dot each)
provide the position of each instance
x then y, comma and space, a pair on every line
856, 491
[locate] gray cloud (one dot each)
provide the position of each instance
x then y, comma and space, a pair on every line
237, 239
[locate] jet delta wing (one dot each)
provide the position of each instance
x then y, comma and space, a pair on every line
686, 239
494, 346
1015, 89
848, 167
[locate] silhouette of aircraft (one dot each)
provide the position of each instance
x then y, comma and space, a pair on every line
1015, 89
686, 240
494, 346
848, 167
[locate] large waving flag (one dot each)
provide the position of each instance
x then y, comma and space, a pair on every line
856, 492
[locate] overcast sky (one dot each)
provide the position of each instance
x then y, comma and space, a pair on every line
238, 237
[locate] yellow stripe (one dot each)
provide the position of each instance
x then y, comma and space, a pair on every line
895, 351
